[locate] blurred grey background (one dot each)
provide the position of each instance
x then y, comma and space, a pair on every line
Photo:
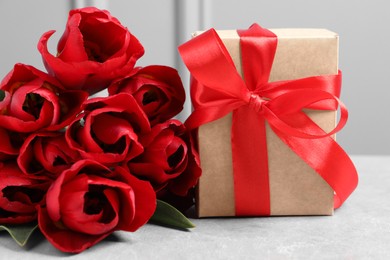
162, 25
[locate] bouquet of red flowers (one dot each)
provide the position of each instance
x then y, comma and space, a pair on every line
78, 167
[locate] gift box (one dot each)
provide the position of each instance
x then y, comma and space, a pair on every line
255, 159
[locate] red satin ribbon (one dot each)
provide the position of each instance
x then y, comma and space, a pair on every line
217, 89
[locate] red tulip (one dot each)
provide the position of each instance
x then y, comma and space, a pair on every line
90, 201
94, 50
19, 195
108, 129
168, 160
46, 153
157, 89
35, 101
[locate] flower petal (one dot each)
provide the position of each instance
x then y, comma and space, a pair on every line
65, 239
71, 45
144, 199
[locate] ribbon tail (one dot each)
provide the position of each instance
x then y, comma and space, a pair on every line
250, 163
329, 160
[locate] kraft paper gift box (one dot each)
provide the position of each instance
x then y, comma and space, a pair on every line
295, 188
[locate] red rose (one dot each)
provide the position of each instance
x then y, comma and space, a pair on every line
108, 129
157, 89
34, 100
89, 201
168, 159
94, 50
19, 195
46, 153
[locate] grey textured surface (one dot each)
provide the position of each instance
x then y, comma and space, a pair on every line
358, 230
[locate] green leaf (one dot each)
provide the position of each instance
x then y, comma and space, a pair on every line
166, 215
20, 233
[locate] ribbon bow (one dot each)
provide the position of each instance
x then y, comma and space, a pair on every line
217, 89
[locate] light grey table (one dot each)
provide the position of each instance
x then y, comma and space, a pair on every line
358, 230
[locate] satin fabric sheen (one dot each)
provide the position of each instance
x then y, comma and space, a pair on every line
217, 89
